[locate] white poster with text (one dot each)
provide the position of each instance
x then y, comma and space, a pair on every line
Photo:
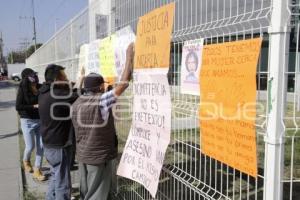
149, 137
190, 67
93, 57
124, 38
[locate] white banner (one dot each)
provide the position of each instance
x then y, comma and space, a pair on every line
124, 38
93, 65
149, 137
190, 67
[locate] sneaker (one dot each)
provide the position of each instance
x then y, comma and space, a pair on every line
38, 175
27, 166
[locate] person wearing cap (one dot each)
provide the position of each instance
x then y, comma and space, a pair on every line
27, 107
55, 100
95, 132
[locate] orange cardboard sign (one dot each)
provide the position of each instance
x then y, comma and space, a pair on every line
228, 103
152, 48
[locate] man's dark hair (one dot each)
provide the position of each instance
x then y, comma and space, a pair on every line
92, 83
52, 72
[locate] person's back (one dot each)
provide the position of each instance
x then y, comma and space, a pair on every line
95, 136
95, 132
55, 100
54, 109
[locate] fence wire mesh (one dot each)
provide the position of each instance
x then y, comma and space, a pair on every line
188, 173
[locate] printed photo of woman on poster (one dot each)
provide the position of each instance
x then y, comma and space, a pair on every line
191, 64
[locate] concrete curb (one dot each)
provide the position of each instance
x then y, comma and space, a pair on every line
21, 186
21, 181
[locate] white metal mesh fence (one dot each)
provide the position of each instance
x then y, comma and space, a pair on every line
188, 173
63, 48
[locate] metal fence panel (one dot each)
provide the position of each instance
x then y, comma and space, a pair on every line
188, 173
63, 48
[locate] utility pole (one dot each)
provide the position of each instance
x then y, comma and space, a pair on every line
34, 27
1, 47
34, 24
24, 44
1, 51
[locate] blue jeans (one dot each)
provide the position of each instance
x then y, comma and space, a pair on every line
32, 138
60, 181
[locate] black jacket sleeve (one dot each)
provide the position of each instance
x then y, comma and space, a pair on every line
73, 97
21, 102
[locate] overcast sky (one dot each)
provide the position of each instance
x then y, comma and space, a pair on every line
16, 30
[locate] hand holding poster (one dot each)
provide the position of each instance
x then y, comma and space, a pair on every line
190, 66
145, 148
228, 103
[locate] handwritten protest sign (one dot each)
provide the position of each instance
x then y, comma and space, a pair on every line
190, 66
153, 38
83, 59
228, 103
107, 59
124, 38
93, 57
145, 148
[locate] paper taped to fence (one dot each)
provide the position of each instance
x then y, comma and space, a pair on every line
107, 58
190, 66
228, 103
149, 137
152, 48
93, 65
124, 38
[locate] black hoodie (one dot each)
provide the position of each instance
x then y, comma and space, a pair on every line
56, 125
25, 98
25, 101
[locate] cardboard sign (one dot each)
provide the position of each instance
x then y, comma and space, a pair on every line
145, 148
93, 58
107, 59
190, 66
124, 38
228, 103
152, 48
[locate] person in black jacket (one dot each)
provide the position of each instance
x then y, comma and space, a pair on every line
55, 99
27, 107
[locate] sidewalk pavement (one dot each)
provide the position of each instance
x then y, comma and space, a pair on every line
10, 171
38, 189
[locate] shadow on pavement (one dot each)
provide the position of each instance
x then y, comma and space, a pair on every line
7, 84
8, 135
7, 104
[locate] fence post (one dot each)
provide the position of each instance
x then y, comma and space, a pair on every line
278, 63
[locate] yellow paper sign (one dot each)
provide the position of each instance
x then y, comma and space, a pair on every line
107, 58
152, 48
228, 103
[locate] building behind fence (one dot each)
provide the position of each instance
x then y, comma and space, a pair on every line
187, 173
